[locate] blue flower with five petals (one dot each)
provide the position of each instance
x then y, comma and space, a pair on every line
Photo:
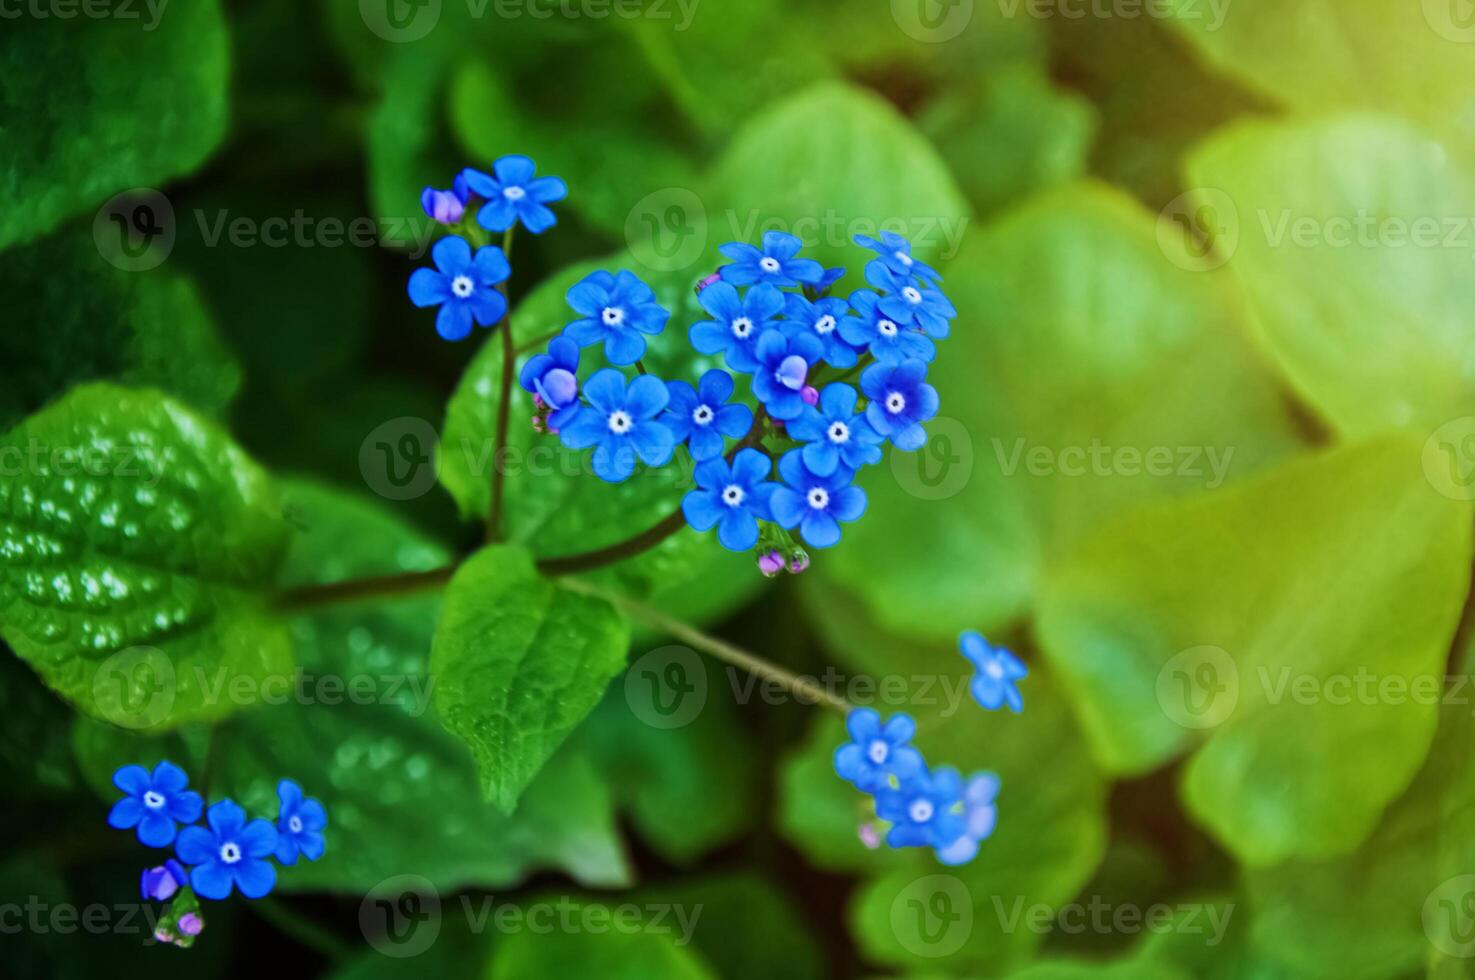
231, 853
834, 433
300, 824
784, 362
821, 318
733, 497
736, 323
877, 752
553, 377
924, 810
700, 418
620, 423
896, 252
513, 194
815, 504
154, 802
889, 342
617, 310
462, 286
979, 816
996, 673
774, 264
900, 401
912, 302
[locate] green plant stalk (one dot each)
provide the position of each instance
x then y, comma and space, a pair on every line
504, 409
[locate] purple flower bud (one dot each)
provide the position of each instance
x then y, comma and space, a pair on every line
810, 394
559, 387
770, 564
791, 372
191, 924
714, 277
162, 882
443, 206
538, 425
163, 935
798, 562
869, 836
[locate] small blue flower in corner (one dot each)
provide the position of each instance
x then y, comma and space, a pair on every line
300, 824
996, 673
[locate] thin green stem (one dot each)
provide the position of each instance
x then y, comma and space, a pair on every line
537, 342
327, 943
504, 409
640, 366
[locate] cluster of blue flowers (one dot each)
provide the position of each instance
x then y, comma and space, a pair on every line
229, 853
930, 807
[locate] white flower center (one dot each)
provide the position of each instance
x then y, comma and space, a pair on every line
895, 402
732, 495
839, 433
769, 263
819, 498
619, 422
911, 294
994, 670
741, 327
153, 800
702, 415
903, 258
230, 852
462, 286
613, 316
514, 193
879, 752
920, 811
886, 328
824, 324
294, 824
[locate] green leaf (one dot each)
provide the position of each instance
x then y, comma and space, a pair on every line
1132, 969
1210, 619
1366, 319
769, 177
94, 106
77, 319
1085, 374
138, 542
518, 662
611, 955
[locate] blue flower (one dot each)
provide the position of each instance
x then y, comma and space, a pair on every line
736, 323
900, 401
878, 752
300, 824
821, 318
979, 816
774, 264
230, 853
620, 423
924, 810
835, 434
889, 342
154, 803
617, 310
512, 193
996, 673
813, 503
464, 288
784, 363
447, 207
911, 301
162, 882
699, 417
896, 253
733, 497
553, 377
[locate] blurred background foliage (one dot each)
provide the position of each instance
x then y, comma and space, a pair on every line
1102, 188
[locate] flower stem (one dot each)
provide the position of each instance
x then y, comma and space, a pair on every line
640, 366
805, 691
504, 409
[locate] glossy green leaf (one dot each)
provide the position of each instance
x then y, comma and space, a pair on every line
1346, 233
1257, 621
138, 541
98, 105
1085, 374
518, 662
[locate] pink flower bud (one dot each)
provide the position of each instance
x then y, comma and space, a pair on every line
869, 836
770, 564
798, 562
191, 924
714, 277
810, 394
